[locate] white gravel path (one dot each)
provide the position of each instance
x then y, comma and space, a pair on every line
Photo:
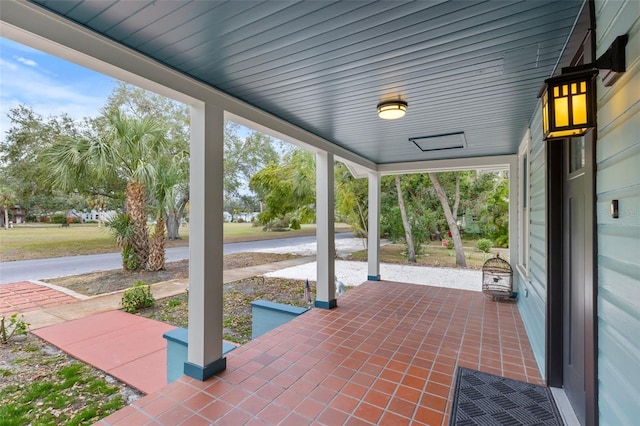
355, 273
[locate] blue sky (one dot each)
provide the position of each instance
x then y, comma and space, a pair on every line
51, 86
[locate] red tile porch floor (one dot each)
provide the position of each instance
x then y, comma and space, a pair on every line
386, 355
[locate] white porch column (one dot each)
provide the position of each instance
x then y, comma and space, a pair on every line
205, 243
326, 284
514, 232
373, 239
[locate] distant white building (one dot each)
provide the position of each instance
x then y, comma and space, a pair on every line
245, 217
227, 217
94, 215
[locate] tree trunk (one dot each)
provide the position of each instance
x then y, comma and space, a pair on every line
136, 208
456, 203
411, 255
174, 217
364, 221
156, 249
6, 217
173, 226
451, 220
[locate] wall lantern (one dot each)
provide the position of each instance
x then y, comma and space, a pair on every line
569, 99
390, 110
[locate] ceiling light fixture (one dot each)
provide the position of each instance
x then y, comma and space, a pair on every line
390, 110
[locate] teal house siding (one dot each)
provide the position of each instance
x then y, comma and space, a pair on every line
532, 289
618, 261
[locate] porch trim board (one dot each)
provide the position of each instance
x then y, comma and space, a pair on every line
333, 303
203, 373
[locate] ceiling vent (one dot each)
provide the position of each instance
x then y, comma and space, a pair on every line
441, 142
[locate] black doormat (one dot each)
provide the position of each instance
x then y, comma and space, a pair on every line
484, 399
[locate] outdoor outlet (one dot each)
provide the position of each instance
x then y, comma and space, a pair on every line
526, 292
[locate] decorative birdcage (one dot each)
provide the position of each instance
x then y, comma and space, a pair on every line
497, 278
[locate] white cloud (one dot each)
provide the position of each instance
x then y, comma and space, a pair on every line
28, 62
48, 85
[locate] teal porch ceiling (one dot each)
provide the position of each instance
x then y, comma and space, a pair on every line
462, 66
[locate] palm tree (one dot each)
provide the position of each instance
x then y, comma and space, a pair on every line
98, 203
124, 147
6, 199
166, 191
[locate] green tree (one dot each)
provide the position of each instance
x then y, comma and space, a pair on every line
287, 188
420, 210
493, 209
451, 215
244, 156
352, 198
26, 170
127, 148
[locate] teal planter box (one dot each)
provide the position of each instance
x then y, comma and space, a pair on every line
177, 344
269, 315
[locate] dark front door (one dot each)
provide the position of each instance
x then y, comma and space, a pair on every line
577, 230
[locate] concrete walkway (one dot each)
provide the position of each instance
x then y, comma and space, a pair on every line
128, 347
80, 306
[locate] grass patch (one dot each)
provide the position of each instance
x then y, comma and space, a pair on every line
433, 255
41, 385
237, 309
39, 241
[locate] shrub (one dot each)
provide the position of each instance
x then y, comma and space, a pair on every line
484, 245
122, 229
137, 297
58, 218
294, 223
15, 327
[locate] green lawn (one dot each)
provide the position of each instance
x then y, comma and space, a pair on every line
434, 255
37, 241
44, 240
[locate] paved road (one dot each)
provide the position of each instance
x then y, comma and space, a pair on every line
11, 272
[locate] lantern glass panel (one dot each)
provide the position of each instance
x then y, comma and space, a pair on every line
561, 106
580, 109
